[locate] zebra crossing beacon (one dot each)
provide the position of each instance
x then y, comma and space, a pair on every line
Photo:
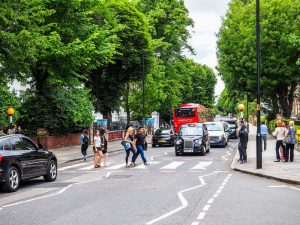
191, 113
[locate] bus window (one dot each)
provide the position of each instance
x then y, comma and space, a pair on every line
184, 112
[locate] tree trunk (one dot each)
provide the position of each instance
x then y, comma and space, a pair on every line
127, 103
285, 96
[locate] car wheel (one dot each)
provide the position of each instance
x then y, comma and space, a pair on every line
202, 153
51, 171
12, 180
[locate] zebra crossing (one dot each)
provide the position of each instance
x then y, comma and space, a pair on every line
157, 165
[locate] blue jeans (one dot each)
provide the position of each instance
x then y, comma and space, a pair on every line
140, 150
278, 144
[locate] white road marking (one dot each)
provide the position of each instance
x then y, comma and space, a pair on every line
115, 167
221, 187
87, 168
218, 191
284, 186
183, 201
201, 215
142, 166
195, 223
51, 195
215, 195
70, 167
210, 201
172, 165
227, 154
201, 165
206, 208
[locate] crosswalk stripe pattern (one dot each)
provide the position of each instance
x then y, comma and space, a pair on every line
169, 165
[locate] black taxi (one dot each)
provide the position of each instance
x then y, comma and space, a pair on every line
192, 138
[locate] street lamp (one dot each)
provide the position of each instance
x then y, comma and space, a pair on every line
258, 91
241, 107
143, 84
10, 112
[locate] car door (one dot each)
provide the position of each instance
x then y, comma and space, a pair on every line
38, 162
18, 154
206, 138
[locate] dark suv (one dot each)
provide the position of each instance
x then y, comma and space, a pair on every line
192, 138
233, 127
21, 159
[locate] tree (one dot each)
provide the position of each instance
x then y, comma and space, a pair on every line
236, 50
108, 83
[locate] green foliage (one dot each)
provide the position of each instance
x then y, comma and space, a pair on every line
65, 110
279, 50
272, 124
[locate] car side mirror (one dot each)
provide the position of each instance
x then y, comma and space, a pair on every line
40, 146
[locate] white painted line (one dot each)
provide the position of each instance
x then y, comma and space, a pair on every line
215, 195
206, 208
87, 168
210, 201
107, 175
201, 215
115, 167
195, 223
224, 183
142, 166
70, 167
201, 165
298, 189
279, 186
172, 165
221, 187
218, 191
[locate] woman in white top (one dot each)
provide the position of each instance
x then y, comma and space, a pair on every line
279, 133
97, 150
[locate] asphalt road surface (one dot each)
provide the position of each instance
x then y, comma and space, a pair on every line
182, 190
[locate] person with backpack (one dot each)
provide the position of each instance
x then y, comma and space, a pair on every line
290, 145
128, 146
84, 140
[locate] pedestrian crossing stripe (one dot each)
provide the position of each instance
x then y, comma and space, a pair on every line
201, 165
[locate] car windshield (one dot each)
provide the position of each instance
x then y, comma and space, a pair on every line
214, 127
191, 131
160, 131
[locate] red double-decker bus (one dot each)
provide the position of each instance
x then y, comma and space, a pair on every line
191, 113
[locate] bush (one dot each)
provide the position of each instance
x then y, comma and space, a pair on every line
63, 111
297, 123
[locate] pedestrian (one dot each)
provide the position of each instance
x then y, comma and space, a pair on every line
1, 132
97, 150
243, 135
129, 139
264, 133
279, 133
139, 145
84, 143
289, 149
104, 146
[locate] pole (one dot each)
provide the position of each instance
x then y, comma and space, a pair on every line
258, 135
247, 113
143, 87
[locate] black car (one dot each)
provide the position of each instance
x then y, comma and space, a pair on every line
22, 159
163, 137
192, 138
233, 127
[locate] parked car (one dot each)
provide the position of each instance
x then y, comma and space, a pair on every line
218, 133
22, 159
233, 127
192, 138
163, 136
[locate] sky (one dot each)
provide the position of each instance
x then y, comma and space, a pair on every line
207, 21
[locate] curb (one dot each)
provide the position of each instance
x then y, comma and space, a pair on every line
288, 181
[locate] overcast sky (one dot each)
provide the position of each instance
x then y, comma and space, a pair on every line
207, 18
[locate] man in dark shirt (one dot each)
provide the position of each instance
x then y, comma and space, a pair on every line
139, 145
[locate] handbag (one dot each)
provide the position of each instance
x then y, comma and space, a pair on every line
126, 145
287, 140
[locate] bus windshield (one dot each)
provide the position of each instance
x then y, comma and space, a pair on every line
184, 112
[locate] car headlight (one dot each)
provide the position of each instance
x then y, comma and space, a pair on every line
221, 137
178, 142
198, 142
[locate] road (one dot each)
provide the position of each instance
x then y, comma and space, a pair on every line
183, 190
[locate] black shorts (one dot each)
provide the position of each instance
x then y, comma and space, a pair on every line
96, 149
104, 151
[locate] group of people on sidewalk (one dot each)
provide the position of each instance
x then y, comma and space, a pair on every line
285, 134
132, 143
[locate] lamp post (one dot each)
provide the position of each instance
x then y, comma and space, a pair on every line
241, 107
10, 112
143, 83
258, 135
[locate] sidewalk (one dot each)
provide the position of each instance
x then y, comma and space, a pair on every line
73, 153
283, 171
